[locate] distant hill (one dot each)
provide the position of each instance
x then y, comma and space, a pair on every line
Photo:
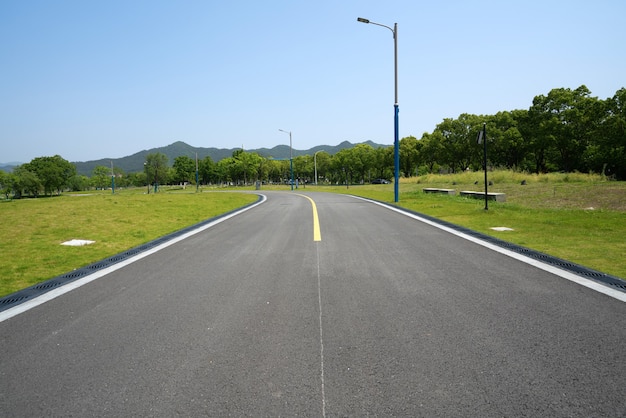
134, 163
8, 167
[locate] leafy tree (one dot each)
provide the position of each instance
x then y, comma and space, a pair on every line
230, 170
276, 170
564, 119
156, 169
382, 163
170, 176
538, 140
458, 140
515, 147
222, 173
5, 184
431, 150
101, 177
53, 172
78, 183
206, 169
408, 155
249, 164
363, 159
241, 168
608, 155
25, 181
136, 179
344, 166
263, 169
303, 168
184, 169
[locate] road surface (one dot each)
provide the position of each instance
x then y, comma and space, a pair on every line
362, 312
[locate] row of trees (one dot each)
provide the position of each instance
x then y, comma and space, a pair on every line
565, 130
357, 165
51, 175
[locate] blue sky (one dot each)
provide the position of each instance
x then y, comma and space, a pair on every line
105, 79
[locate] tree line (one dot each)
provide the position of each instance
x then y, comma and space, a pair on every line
565, 130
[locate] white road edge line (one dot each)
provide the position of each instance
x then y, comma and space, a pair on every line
11, 312
319, 301
598, 287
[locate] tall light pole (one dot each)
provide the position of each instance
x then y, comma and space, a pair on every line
315, 164
156, 181
396, 142
290, 156
197, 177
145, 168
112, 179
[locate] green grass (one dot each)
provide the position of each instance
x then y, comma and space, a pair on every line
551, 213
33, 229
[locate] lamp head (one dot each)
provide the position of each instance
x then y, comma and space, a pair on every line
362, 20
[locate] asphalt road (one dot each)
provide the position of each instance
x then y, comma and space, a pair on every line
378, 315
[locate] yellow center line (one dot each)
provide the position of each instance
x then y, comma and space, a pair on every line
317, 236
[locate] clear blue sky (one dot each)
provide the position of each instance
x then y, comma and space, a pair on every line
105, 79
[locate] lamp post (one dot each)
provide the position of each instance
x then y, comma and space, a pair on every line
290, 156
396, 143
112, 179
197, 177
482, 137
315, 164
145, 168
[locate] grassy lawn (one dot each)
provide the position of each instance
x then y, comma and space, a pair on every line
576, 217
33, 229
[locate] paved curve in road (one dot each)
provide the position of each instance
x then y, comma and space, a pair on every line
377, 314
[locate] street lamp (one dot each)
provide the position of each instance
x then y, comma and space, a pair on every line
112, 179
290, 156
396, 143
315, 164
145, 168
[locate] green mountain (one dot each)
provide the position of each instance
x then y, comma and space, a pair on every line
134, 163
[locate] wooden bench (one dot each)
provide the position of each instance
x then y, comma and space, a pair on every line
498, 197
434, 190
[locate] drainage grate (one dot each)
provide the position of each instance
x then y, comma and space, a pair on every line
22, 296
11, 300
620, 285
46, 285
